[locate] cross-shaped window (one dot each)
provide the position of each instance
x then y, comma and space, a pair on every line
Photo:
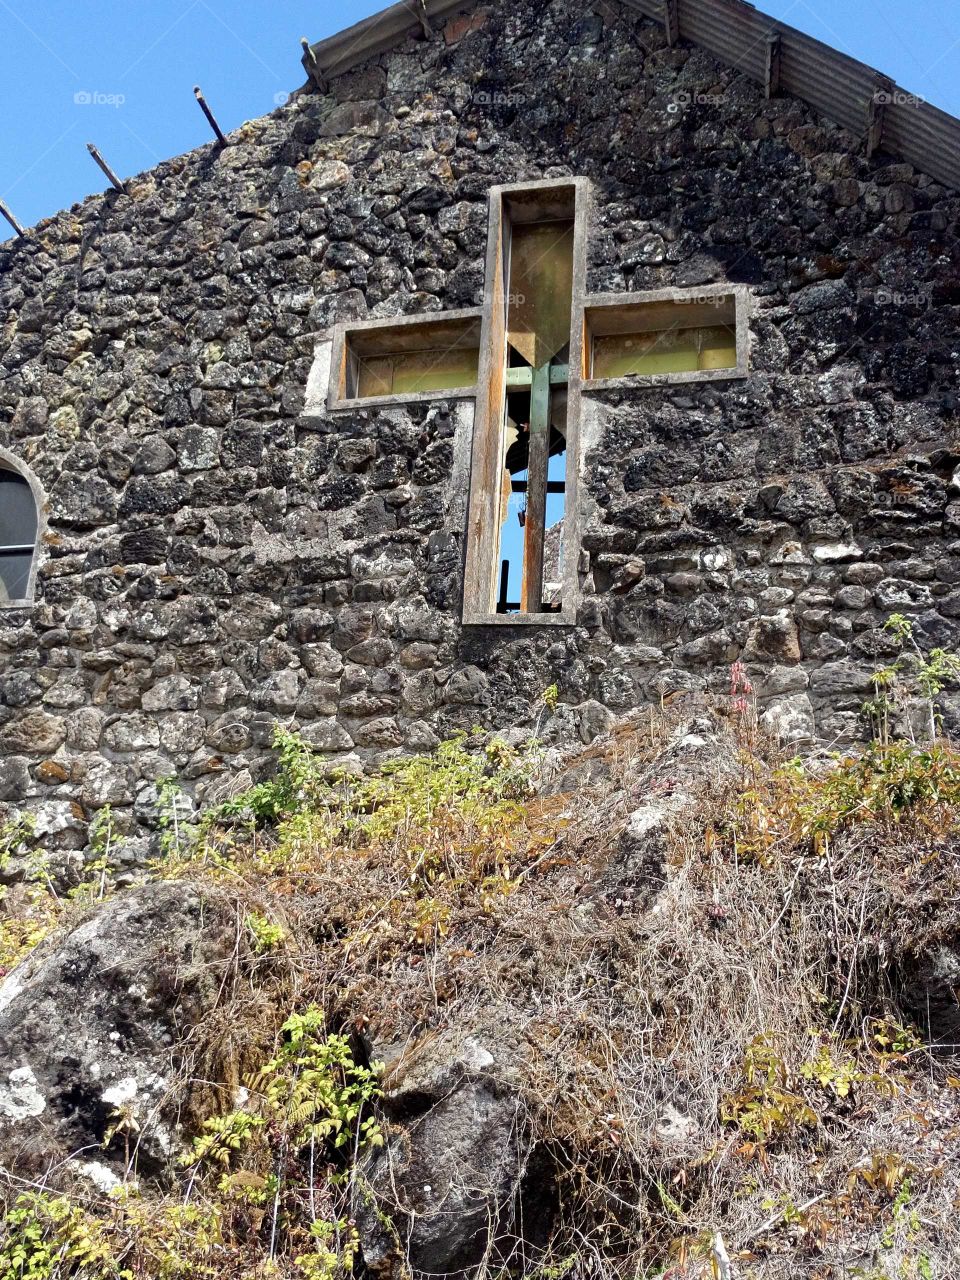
538, 342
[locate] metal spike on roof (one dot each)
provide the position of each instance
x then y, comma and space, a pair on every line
771, 80
5, 212
312, 65
671, 21
424, 19
211, 118
114, 180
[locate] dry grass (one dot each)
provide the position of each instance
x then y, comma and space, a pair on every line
706, 1026
629, 1021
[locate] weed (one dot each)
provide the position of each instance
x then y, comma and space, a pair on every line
767, 1107
912, 673
886, 785
38, 908
466, 796
317, 1089
726, 1058
178, 837
301, 783
335, 1247
223, 1137
743, 700
833, 1072
249, 1195
15, 836
264, 934
100, 868
28, 1252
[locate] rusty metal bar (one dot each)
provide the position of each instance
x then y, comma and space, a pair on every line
114, 180
312, 65
211, 119
537, 463
424, 19
504, 586
553, 486
522, 375
671, 21
774, 58
5, 212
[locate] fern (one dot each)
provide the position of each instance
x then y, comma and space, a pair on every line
315, 1088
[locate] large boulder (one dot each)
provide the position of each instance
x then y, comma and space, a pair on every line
454, 1170
701, 754
91, 1026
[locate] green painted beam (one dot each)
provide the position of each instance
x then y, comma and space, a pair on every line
522, 376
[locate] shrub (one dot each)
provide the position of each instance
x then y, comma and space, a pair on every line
274, 1181
888, 785
912, 674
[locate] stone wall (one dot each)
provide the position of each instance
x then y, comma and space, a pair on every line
217, 560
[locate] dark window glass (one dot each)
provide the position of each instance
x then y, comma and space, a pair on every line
14, 574
18, 511
18, 534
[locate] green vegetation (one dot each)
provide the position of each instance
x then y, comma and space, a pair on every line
913, 674
885, 787
726, 1064
265, 934
270, 1191
30, 911
766, 1107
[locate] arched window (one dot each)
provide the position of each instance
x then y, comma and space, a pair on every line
19, 526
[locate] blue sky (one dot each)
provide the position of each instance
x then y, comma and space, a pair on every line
139, 59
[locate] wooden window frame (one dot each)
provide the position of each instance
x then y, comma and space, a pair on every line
447, 326
610, 313
531, 202
592, 315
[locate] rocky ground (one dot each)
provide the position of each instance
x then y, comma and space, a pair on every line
221, 552
664, 1006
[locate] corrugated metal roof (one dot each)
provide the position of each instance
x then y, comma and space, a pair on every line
838, 87
378, 33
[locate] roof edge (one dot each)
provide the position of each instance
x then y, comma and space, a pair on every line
866, 102
849, 93
375, 35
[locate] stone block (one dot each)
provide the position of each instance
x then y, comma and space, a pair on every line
36, 734
790, 720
